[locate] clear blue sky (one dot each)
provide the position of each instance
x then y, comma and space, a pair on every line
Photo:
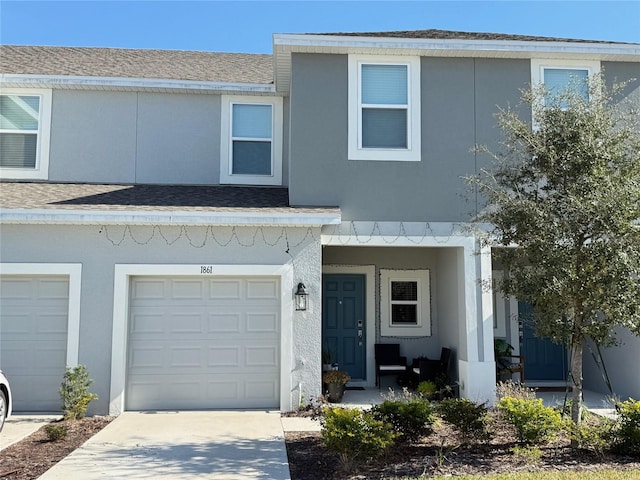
247, 26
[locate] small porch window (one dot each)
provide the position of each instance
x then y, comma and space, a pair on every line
405, 303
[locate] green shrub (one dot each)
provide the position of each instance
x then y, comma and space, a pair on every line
74, 392
533, 421
467, 417
627, 438
410, 419
594, 435
355, 435
55, 432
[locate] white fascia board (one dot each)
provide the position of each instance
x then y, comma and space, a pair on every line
67, 81
458, 45
105, 217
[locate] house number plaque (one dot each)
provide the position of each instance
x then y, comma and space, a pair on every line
206, 269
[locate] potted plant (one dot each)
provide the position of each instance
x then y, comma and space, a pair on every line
427, 389
503, 350
336, 382
326, 360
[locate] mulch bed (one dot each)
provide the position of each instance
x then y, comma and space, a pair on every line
439, 453
442, 454
34, 455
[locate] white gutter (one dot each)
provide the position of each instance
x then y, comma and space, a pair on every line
124, 83
533, 46
137, 217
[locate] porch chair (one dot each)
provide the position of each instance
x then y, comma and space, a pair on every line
510, 364
432, 369
388, 360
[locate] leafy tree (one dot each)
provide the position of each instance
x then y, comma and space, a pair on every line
566, 194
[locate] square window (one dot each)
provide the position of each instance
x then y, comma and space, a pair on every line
405, 303
384, 108
560, 75
25, 117
251, 151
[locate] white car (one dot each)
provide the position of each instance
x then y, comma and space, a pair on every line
5, 399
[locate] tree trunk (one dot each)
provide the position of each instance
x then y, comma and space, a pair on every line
576, 375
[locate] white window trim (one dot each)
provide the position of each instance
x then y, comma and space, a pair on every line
423, 327
41, 170
226, 150
413, 151
539, 65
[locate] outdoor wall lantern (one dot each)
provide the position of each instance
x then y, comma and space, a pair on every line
301, 297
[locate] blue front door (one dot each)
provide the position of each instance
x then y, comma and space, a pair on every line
343, 322
543, 359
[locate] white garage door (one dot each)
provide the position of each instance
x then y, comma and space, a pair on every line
200, 343
33, 339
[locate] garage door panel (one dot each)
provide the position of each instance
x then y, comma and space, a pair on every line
33, 338
224, 323
260, 290
205, 344
225, 289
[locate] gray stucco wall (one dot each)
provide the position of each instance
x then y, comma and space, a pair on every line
459, 99
90, 246
130, 137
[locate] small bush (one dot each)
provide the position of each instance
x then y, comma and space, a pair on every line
355, 435
529, 455
427, 387
533, 421
55, 432
594, 435
74, 392
410, 419
627, 437
467, 417
514, 390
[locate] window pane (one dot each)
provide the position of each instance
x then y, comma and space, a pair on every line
384, 128
558, 80
18, 150
19, 112
251, 158
404, 314
384, 84
404, 291
251, 121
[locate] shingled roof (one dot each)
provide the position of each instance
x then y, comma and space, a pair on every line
137, 63
187, 198
458, 35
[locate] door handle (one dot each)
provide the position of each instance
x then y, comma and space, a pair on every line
360, 333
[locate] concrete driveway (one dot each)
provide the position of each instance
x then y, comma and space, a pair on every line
181, 445
21, 425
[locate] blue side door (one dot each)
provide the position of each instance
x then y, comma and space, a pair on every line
343, 322
543, 359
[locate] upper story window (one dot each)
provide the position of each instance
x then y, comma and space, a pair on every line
251, 146
25, 122
384, 108
560, 75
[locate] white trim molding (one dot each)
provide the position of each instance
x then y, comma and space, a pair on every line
74, 272
226, 142
41, 169
413, 152
122, 278
538, 65
422, 327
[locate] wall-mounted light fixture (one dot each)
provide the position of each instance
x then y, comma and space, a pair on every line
301, 297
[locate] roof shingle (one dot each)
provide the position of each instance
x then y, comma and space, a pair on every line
135, 63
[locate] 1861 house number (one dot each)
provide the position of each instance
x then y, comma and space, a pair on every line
206, 269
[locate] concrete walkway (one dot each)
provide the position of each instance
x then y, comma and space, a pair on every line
181, 445
20, 426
